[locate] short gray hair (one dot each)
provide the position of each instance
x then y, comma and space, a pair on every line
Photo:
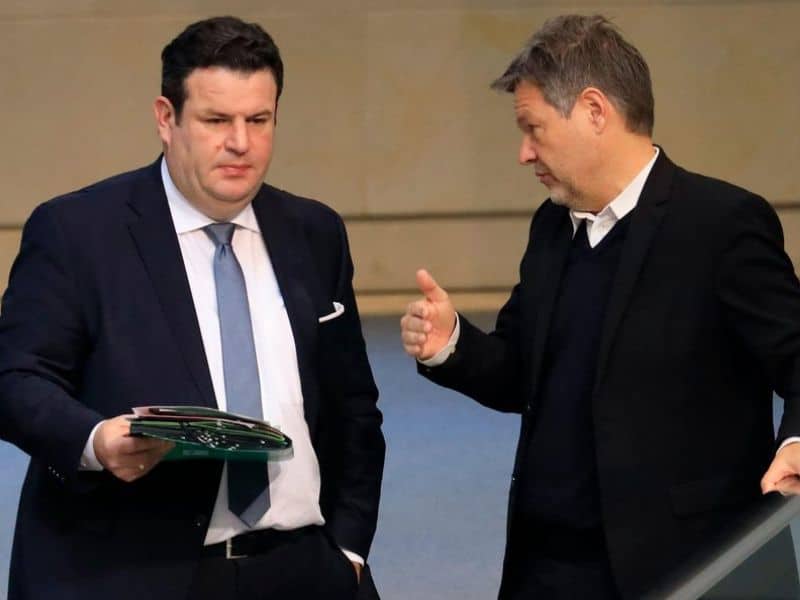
572, 52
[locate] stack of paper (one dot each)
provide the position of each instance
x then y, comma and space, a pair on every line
200, 432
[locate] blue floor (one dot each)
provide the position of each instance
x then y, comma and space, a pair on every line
448, 464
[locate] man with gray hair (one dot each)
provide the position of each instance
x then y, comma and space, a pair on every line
655, 314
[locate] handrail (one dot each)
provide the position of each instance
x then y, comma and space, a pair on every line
706, 576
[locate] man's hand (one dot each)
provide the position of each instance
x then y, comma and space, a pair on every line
128, 458
428, 323
783, 474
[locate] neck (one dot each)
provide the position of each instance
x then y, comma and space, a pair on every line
623, 160
222, 214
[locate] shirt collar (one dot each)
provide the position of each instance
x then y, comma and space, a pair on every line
620, 206
187, 218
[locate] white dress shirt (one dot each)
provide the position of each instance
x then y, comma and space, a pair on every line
294, 484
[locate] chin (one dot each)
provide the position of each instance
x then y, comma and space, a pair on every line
234, 194
565, 196
559, 198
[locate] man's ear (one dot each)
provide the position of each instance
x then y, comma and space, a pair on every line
596, 106
166, 119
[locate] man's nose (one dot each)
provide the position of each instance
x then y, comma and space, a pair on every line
527, 154
237, 140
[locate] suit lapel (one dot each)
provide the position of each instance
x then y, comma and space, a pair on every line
154, 235
645, 221
546, 278
297, 280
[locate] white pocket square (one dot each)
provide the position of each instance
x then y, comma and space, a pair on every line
338, 311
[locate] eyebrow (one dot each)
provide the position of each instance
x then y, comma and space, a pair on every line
215, 113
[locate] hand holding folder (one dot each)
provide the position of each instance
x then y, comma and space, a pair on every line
201, 432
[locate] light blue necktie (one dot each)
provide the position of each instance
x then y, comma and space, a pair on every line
248, 482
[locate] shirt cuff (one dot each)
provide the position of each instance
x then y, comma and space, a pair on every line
442, 355
787, 441
353, 557
89, 460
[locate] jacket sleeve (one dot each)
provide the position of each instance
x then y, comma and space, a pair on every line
43, 344
760, 295
485, 366
488, 366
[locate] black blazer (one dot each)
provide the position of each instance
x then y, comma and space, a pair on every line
98, 318
703, 323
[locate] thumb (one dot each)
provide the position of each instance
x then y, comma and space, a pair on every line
429, 288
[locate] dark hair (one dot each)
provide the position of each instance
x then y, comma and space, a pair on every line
572, 52
217, 42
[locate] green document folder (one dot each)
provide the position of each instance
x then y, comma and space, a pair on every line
207, 433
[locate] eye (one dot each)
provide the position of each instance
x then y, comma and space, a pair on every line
215, 120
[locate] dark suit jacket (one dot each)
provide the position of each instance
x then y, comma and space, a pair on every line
98, 318
702, 324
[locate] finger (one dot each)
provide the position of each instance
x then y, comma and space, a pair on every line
776, 472
415, 325
131, 446
412, 351
428, 286
414, 337
418, 309
133, 466
129, 473
150, 459
788, 486
411, 348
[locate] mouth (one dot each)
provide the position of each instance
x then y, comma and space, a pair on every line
545, 178
234, 170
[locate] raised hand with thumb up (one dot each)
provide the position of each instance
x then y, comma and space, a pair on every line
428, 323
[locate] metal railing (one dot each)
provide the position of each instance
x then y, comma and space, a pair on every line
738, 572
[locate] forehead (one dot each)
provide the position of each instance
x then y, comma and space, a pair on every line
528, 98
221, 88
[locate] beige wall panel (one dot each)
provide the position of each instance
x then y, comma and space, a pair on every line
440, 141
468, 255
9, 246
83, 91
790, 219
320, 150
726, 82
395, 304
77, 97
472, 253
388, 110
191, 9
104, 8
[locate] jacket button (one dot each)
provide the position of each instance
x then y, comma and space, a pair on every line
200, 521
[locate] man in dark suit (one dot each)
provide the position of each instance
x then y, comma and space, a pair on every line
190, 282
655, 313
